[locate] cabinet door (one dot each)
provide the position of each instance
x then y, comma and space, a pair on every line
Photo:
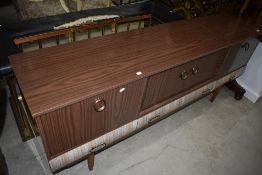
76, 124
238, 56
173, 82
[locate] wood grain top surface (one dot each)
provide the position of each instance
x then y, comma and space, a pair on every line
57, 76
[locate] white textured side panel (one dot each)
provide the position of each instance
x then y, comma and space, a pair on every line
251, 80
83, 150
250, 93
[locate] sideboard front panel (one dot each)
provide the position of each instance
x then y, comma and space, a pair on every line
173, 81
76, 124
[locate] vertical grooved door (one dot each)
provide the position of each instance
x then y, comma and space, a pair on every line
76, 124
169, 83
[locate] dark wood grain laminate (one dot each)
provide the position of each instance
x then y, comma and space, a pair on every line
76, 124
56, 77
230, 31
169, 83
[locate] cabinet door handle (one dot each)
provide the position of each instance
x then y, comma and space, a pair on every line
245, 46
152, 120
97, 148
184, 75
100, 105
195, 70
206, 92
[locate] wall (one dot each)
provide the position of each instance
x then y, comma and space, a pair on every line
251, 80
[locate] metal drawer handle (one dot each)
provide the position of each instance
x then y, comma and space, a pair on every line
245, 46
184, 75
100, 105
152, 120
206, 92
195, 70
97, 148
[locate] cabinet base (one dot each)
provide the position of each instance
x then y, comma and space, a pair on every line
100, 143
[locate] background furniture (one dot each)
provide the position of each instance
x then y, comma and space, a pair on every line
3, 96
5, 2
185, 8
27, 9
194, 8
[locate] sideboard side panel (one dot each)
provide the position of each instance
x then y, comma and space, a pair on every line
43, 137
238, 56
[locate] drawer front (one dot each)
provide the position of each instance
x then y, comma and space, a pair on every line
74, 125
238, 56
170, 83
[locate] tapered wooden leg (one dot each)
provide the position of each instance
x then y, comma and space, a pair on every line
214, 94
236, 88
90, 161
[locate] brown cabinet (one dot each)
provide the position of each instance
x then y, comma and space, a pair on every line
76, 94
170, 83
76, 124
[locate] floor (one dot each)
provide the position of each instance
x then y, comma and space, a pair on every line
205, 138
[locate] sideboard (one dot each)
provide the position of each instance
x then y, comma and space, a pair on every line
88, 95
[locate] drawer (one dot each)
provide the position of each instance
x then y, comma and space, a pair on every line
76, 124
172, 82
238, 56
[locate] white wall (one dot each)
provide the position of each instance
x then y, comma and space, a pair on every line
251, 80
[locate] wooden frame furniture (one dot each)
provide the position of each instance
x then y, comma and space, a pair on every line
84, 99
82, 28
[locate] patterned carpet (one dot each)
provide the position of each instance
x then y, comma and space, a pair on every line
27, 9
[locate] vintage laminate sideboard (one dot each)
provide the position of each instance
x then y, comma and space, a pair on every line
88, 95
